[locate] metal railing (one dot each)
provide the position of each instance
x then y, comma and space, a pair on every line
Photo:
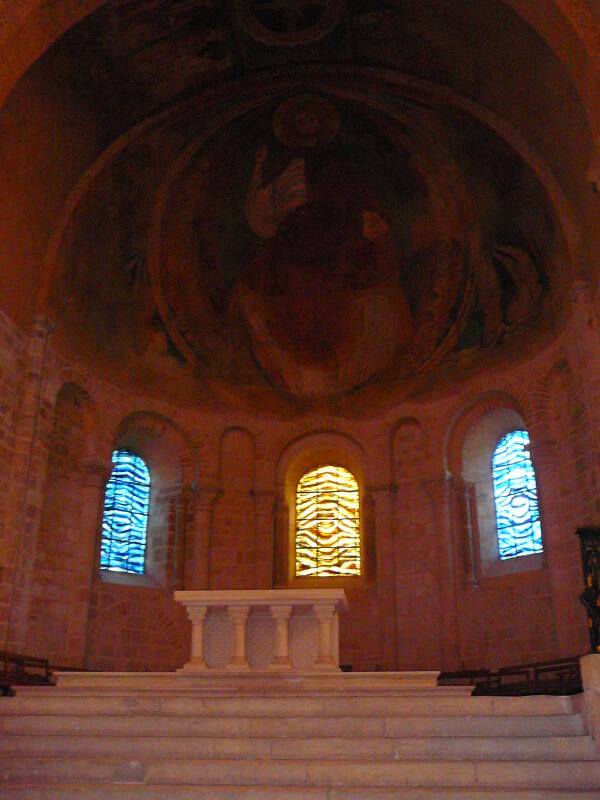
21, 670
559, 676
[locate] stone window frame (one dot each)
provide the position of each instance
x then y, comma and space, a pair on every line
171, 463
472, 443
308, 452
150, 578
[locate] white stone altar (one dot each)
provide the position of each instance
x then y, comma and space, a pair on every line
264, 629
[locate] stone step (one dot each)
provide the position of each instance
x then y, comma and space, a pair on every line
47, 701
302, 726
573, 775
557, 748
192, 792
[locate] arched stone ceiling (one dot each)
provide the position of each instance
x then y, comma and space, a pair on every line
245, 257
570, 27
134, 111
126, 59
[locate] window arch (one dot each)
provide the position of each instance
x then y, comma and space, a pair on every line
515, 497
493, 534
125, 517
312, 451
327, 540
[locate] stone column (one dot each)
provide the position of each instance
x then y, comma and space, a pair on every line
324, 615
383, 498
180, 543
197, 565
544, 458
25, 499
239, 615
197, 615
587, 340
438, 489
264, 505
463, 519
281, 615
281, 533
93, 489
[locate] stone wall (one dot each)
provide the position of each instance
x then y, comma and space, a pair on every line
12, 376
423, 606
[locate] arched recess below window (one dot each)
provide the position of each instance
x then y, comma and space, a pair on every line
324, 533
502, 525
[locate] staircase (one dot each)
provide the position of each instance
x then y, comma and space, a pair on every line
337, 737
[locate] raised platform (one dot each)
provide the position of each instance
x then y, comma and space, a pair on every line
262, 683
289, 736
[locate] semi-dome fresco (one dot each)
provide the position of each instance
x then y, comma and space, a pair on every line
309, 245
329, 241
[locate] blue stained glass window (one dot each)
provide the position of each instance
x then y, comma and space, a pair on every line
515, 495
125, 519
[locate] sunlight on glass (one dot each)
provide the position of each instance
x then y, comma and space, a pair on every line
515, 494
327, 523
125, 517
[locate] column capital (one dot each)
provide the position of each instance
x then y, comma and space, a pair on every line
196, 613
281, 612
437, 486
238, 613
186, 494
205, 496
580, 292
96, 473
383, 497
43, 325
324, 610
264, 501
543, 454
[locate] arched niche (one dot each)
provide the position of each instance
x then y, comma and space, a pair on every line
171, 462
470, 448
303, 454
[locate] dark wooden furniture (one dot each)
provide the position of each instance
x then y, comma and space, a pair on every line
560, 676
16, 669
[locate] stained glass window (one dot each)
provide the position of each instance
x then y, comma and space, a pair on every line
125, 519
327, 523
515, 494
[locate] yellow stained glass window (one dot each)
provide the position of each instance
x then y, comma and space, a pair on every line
327, 523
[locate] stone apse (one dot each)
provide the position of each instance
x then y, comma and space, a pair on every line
242, 246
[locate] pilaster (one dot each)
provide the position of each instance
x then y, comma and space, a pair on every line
438, 489
28, 468
264, 509
383, 499
93, 487
197, 566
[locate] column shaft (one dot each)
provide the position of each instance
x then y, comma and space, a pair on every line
239, 615
324, 615
281, 659
197, 655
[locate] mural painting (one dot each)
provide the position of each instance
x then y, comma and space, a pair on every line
322, 250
